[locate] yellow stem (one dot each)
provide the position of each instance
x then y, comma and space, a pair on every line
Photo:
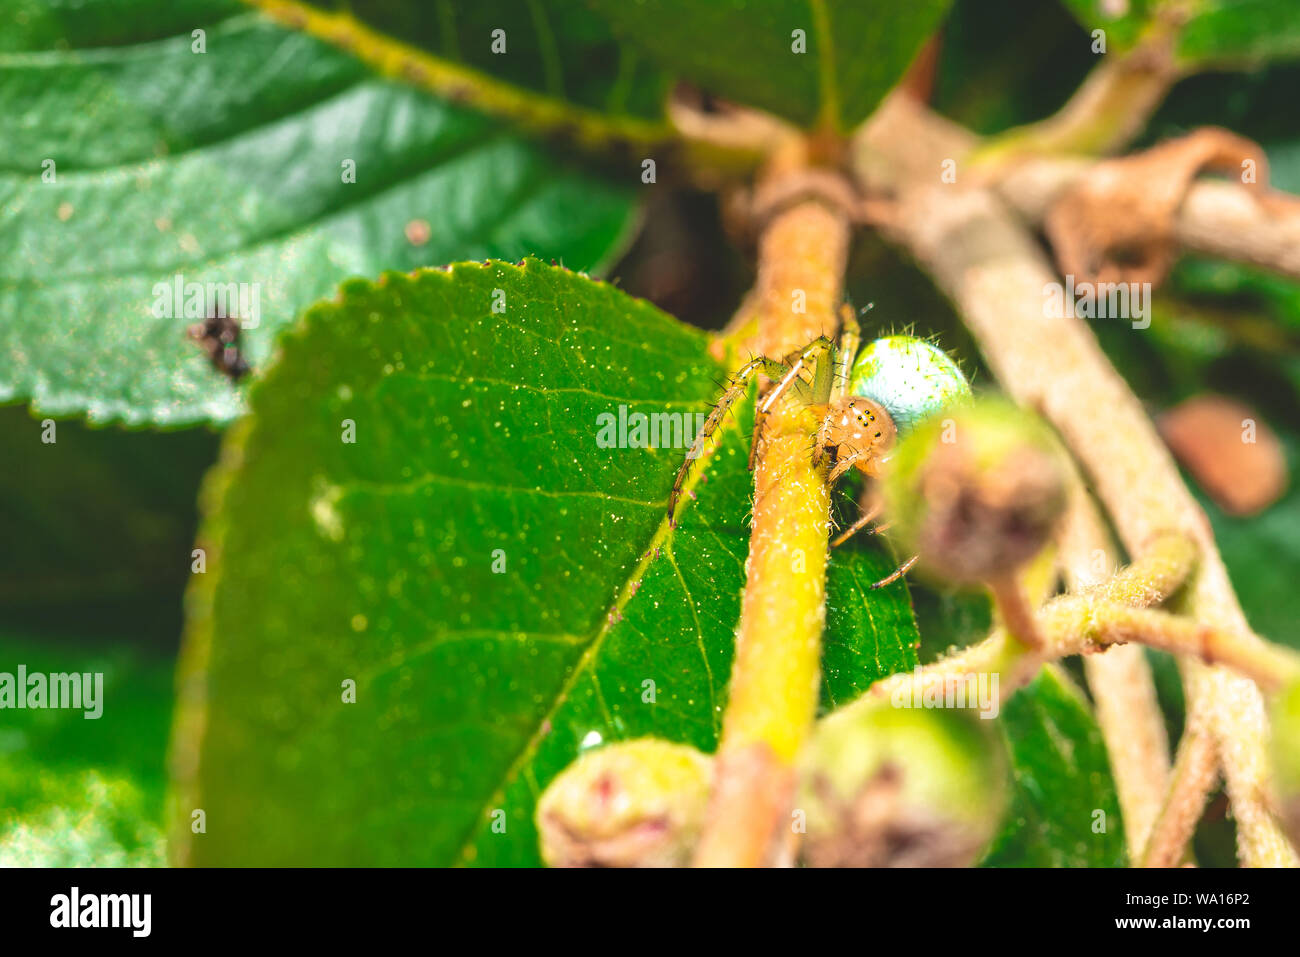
775, 677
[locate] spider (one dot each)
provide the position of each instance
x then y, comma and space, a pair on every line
866, 398
218, 337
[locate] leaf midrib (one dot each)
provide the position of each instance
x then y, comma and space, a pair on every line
625, 593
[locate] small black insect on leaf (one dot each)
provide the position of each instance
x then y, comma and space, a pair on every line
218, 336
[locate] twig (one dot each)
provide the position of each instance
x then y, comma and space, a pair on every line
1222, 220
1013, 607
774, 681
1071, 624
1081, 626
1123, 691
1194, 775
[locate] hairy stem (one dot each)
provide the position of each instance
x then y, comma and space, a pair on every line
775, 677
1071, 624
1121, 684
1194, 775
1013, 608
1080, 626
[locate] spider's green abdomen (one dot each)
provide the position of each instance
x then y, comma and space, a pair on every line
909, 377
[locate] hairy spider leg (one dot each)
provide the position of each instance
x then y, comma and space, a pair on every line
867, 517
850, 340
842, 466
736, 386
807, 361
845, 353
898, 573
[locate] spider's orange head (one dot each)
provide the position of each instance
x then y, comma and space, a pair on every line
860, 428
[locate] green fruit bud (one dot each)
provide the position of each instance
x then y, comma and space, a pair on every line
901, 787
629, 804
976, 490
1285, 748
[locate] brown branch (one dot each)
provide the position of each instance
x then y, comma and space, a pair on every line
996, 275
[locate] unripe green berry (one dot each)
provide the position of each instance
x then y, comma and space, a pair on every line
1285, 748
901, 787
629, 804
976, 490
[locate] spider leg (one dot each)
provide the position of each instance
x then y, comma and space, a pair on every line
796, 364
842, 466
847, 351
867, 517
736, 387
819, 440
898, 573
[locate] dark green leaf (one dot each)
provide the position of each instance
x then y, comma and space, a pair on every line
1122, 22
556, 49
1062, 780
476, 443
990, 78
228, 167
868, 636
854, 50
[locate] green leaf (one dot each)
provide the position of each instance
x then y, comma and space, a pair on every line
1241, 33
227, 167
77, 792
558, 50
855, 50
868, 636
1218, 33
1061, 780
476, 446
989, 78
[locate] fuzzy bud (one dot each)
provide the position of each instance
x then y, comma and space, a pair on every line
901, 787
976, 490
629, 804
